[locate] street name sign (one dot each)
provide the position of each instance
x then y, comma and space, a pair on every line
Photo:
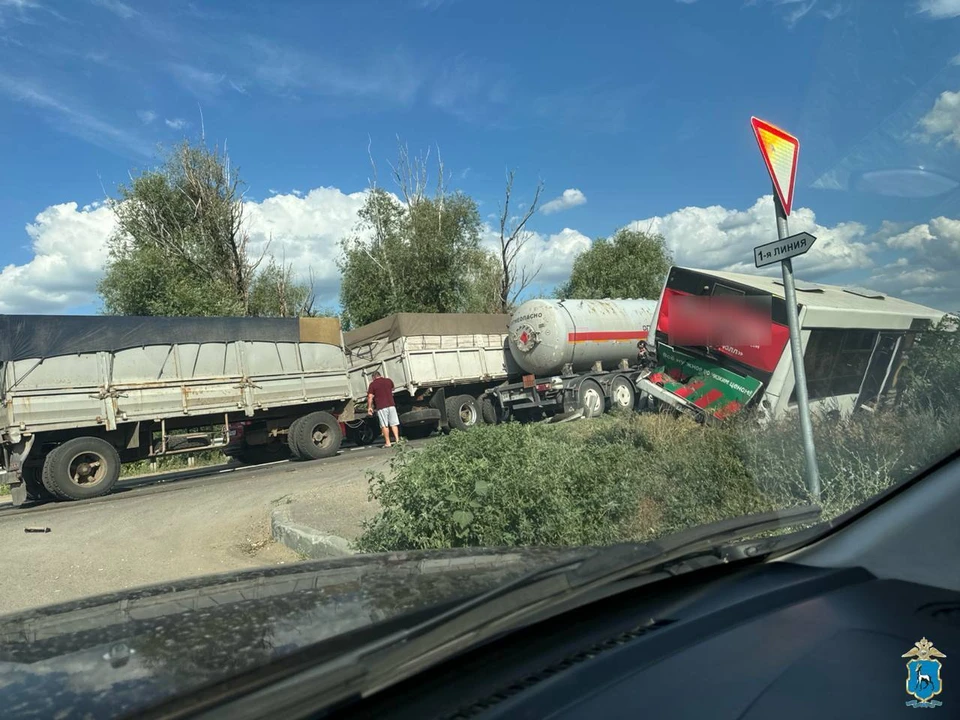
780, 250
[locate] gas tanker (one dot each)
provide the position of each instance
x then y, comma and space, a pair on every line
546, 335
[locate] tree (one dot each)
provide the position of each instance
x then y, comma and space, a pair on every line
932, 368
182, 247
275, 293
632, 264
421, 253
514, 278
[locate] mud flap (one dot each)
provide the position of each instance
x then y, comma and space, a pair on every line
18, 492
438, 401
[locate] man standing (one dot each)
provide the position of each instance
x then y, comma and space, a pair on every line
380, 395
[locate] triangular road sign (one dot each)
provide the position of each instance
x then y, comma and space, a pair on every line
780, 151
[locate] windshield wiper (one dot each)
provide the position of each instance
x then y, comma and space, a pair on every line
405, 653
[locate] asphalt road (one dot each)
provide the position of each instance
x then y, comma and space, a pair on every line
162, 528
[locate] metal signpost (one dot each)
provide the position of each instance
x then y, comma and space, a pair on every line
780, 151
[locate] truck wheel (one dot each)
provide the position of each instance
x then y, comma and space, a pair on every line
463, 412
488, 411
84, 467
292, 438
590, 399
622, 394
316, 436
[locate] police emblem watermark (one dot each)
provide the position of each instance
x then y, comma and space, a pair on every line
923, 675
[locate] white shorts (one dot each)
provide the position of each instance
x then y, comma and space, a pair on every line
388, 417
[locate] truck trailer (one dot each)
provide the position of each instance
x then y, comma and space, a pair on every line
82, 395
575, 355
441, 365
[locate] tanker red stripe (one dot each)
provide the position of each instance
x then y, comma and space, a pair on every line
606, 336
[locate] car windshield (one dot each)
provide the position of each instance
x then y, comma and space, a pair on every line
370, 306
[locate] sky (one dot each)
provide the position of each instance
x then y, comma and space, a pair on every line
632, 114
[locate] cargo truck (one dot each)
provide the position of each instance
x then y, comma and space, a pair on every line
441, 365
854, 340
575, 356
82, 395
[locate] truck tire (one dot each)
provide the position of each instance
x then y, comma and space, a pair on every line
292, 439
46, 477
488, 411
590, 398
622, 395
82, 468
463, 412
316, 436
419, 422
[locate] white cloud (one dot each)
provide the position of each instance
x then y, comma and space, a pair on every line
201, 83
72, 119
570, 198
69, 246
940, 8
928, 266
552, 254
943, 120
921, 261
286, 71
936, 242
718, 238
306, 230
176, 123
117, 8
146, 116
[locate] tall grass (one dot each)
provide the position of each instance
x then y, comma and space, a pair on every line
634, 477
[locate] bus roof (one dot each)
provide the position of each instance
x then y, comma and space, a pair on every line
829, 300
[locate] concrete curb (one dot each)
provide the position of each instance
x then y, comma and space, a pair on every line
307, 541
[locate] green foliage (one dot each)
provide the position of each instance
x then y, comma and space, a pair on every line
933, 367
421, 257
180, 461
275, 293
633, 477
632, 264
498, 486
181, 247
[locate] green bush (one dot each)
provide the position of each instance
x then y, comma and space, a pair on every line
634, 477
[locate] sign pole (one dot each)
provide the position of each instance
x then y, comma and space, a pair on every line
799, 373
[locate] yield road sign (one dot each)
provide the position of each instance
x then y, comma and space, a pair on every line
780, 151
784, 249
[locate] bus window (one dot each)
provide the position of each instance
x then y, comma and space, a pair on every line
835, 362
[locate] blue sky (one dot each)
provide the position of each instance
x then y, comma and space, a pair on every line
631, 112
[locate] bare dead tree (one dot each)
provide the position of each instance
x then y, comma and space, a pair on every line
379, 225
411, 174
515, 277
